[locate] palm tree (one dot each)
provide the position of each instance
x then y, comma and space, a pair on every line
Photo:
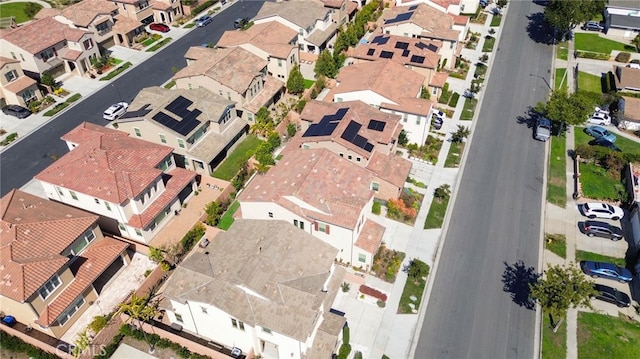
636, 41
443, 192
141, 310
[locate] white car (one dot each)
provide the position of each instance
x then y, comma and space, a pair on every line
599, 118
601, 210
439, 114
114, 111
601, 110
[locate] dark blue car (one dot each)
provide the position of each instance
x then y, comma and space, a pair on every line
606, 270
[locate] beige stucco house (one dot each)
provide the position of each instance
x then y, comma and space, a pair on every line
17, 89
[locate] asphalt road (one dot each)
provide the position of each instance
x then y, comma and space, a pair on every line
34, 153
496, 218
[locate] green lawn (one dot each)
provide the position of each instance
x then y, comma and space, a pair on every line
16, 10
469, 108
596, 43
589, 83
411, 288
603, 336
436, 214
495, 20
488, 44
481, 70
562, 51
556, 243
590, 256
554, 345
625, 144
455, 154
231, 166
308, 83
227, 218
597, 184
560, 72
557, 177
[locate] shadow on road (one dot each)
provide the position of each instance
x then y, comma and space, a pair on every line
516, 279
539, 30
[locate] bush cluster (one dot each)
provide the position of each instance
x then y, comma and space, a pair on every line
202, 7
593, 55
16, 344
623, 57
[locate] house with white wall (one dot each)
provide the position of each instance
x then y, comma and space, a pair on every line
201, 127
54, 261
323, 194
622, 18
264, 287
313, 22
15, 87
389, 87
455, 7
271, 41
134, 185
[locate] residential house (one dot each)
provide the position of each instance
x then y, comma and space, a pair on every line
49, 45
17, 89
96, 16
313, 22
361, 134
54, 261
271, 41
622, 18
264, 287
132, 184
628, 115
342, 11
390, 87
424, 22
626, 78
419, 55
146, 11
323, 194
200, 126
455, 7
235, 74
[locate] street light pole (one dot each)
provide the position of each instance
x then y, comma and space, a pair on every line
543, 79
118, 91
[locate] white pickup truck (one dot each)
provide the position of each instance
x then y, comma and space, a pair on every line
542, 130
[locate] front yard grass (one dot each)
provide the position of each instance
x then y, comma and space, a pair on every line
603, 336
596, 43
557, 177
116, 72
238, 158
562, 51
625, 144
16, 10
495, 20
227, 218
468, 109
554, 345
590, 256
455, 155
411, 288
159, 45
589, 83
556, 243
560, 84
436, 214
597, 183
308, 83
489, 41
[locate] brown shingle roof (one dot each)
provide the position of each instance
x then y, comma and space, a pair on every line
403, 50
391, 168
434, 23
439, 79
271, 37
303, 13
19, 84
42, 34
111, 166
4, 61
34, 232
371, 236
627, 78
82, 13
333, 189
234, 68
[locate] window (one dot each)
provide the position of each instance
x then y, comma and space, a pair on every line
358, 159
106, 204
137, 131
375, 186
102, 27
301, 225
179, 318
295, 222
362, 257
341, 154
163, 139
49, 287
21, 57
46, 54
301, 32
69, 312
279, 62
229, 95
234, 323
11, 75
180, 143
83, 242
305, 146
73, 195
13, 55
323, 227
418, 118
435, 91
405, 117
338, 99
59, 191
88, 43
241, 325
96, 200
266, 330
270, 214
350, 157
28, 95
204, 310
138, 232
122, 227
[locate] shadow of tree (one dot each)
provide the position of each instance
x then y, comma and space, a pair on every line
539, 30
516, 279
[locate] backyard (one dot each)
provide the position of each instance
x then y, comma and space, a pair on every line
17, 11
238, 158
597, 43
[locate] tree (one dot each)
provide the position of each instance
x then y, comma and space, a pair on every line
402, 138
31, 9
295, 83
417, 270
291, 130
82, 341
264, 154
560, 288
274, 140
461, 133
569, 109
264, 123
140, 310
564, 15
424, 93
443, 192
155, 254
636, 41
48, 80
325, 65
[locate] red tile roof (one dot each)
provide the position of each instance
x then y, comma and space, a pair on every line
401, 49
371, 236
42, 34
391, 168
111, 166
272, 37
93, 261
34, 232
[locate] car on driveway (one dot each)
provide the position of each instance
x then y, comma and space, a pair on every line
592, 26
612, 295
601, 210
114, 111
16, 111
600, 132
159, 27
599, 118
602, 229
606, 270
204, 20
604, 143
603, 109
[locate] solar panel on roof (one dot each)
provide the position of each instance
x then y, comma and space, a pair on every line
421, 45
400, 17
380, 40
376, 125
368, 147
405, 53
184, 126
327, 124
411, 8
402, 45
341, 112
370, 52
432, 47
351, 134
386, 54
178, 105
417, 59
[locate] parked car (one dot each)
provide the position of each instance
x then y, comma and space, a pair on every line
204, 20
542, 131
114, 111
606, 270
602, 229
612, 295
437, 122
240, 22
601, 210
602, 110
592, 26
604, 143
600, 118
16, 111
159, 27
439, 114
600, 132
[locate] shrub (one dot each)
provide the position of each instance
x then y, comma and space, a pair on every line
98, 323
16, 344
344, 351
345, 334
200, 8
10, 138
454, 99
189, 240
623, 57
376, 208
593, 55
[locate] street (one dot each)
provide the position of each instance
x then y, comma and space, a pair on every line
496, 216
34, 153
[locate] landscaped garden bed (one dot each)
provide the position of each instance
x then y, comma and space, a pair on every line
386, 263
411, 297
405, 209
429, 151
468, 109
455, 155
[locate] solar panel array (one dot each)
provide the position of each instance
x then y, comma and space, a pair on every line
370, 52
413, 7
380, 40
386, 54
400, 17
188, 118
376, 125
402, 45
327, 124
405, 53
351, 134
417, 59
421, 45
